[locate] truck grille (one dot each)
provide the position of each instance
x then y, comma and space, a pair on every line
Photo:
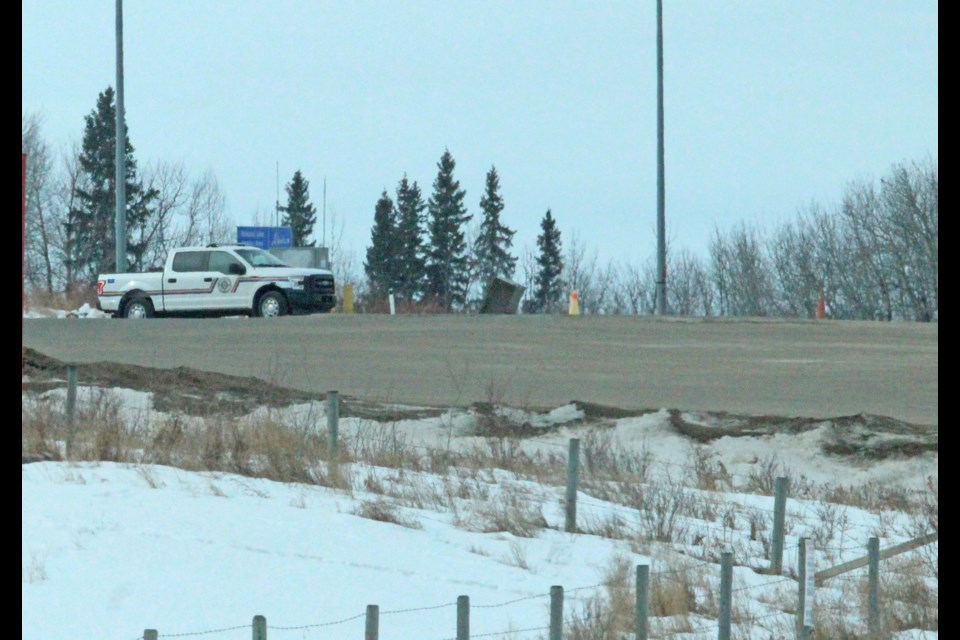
319, 284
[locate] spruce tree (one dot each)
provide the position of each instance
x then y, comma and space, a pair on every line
299, 214
491, 247
447, 271
90, 226
380, 265
409, 256
548, 295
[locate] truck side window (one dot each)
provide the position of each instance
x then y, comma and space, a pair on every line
221, 261
186, 261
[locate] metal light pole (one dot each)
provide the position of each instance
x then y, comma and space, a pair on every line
661, 293
120, 216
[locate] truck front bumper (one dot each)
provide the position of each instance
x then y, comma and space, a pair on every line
306, 302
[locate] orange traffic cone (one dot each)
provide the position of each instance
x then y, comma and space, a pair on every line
574, 304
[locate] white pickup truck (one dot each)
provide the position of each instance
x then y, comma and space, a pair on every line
217, 280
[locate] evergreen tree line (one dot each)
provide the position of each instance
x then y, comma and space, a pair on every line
873, 256
420, 253
71, 205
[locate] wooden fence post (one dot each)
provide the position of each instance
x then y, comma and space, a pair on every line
779, 515
463, 618
556, 613
573, 469
726, 594
372, 630
259, 628
873, 597
71, 408
805, 579
333, 426
642, 612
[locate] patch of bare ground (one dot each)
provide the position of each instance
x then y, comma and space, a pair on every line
199, 393
862, 435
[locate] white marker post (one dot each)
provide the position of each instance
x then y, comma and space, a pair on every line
393, 305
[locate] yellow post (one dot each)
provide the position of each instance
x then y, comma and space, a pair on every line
348, 298
574, 304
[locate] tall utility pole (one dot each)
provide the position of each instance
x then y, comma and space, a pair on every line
120, 217
661, 302
324, 212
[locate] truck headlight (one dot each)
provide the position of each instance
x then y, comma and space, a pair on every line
296, 282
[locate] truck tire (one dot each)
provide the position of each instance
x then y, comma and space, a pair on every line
137, 307
271, 304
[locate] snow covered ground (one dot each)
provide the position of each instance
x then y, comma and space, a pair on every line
85, 311
109, 549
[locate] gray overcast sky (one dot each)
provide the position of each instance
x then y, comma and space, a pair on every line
769, 104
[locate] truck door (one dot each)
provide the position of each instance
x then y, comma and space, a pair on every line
226, 292
188, 285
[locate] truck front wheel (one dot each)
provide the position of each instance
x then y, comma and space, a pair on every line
271, 304
138, 307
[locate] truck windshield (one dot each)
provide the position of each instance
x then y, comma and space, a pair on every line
260, 258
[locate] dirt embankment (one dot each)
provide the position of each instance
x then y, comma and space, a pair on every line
203, 393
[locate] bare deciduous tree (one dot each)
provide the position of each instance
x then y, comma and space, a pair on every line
742, 272
189, 211
40, 188
690, 292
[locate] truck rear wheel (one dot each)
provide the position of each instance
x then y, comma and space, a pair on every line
138, 307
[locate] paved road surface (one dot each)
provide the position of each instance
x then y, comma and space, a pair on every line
787, 368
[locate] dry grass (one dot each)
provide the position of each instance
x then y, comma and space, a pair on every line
605, 461
512, 509
708, 473
607, 615
679, 592
908, 596
64, 301
383, 510
370, 303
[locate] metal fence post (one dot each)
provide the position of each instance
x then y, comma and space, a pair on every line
779, 515
150, 634
333, 426
873, 597
556, 613
573, 464
71, 408
372, 630
259, 628
641, 625
726, 594
463, 618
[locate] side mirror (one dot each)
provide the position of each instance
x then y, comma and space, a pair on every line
237, 269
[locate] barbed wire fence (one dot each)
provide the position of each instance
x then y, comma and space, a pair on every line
769, 604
